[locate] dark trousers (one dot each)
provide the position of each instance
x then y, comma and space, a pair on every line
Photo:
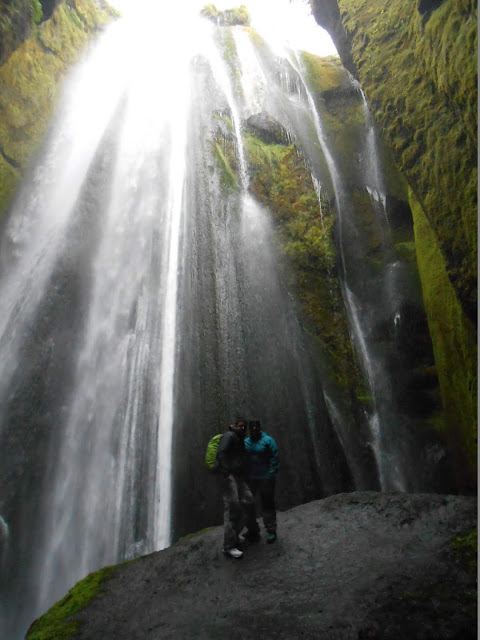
238, 508
265, 488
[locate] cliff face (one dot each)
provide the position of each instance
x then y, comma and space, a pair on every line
36, 52
416, 63
417, 74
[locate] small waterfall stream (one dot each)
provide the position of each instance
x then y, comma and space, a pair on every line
144, 308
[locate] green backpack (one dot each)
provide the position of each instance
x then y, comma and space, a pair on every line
211, 452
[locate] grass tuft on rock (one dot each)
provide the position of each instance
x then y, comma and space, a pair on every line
57, 622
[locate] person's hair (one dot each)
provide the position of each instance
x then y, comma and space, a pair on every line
240, 419
254, 423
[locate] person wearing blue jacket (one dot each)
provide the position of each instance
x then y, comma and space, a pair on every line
263, 465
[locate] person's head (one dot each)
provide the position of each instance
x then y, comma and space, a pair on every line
255, 429
240, 427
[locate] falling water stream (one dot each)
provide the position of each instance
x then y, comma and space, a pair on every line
143, 307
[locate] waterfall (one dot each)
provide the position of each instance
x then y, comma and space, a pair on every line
144, 307
102, 210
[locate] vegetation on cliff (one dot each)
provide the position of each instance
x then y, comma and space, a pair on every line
229, 17
306, 220
454, 347
30, 80
282, 182
17, 19
418, 69
57, 623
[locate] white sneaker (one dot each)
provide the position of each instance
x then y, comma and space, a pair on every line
233, 553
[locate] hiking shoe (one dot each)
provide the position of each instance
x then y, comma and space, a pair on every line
271, 538
233, 553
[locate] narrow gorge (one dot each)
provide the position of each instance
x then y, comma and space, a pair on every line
206, 225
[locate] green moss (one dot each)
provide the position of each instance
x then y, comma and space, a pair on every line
37, 11
237, 16
305, 230
222, 118
454, 345
30, 81
466, 547
420, 77
9, 178
229, 17
419, 73
226, 42
406, 250
341, 109
16, 24
228, 177
93, 14
57, 623
344, 124
224, 152
366, 222
323, 74
209, 11
256, 39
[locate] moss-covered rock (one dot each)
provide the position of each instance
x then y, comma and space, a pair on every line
282, 182
417, 65
419, 72
324, 74
267, 129
455, 349
342, 112
228, 17
30, 80
466, 548
17, 19
226, 44
57, 624
9, 177
225, 152
377, 239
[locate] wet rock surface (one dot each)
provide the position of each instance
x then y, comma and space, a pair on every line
267, 129
357, 565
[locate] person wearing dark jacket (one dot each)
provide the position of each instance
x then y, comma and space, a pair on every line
262, 470
232, 464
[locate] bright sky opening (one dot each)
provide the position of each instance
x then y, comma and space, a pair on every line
280, 22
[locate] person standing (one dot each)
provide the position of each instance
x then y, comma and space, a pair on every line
263, 466
232, 464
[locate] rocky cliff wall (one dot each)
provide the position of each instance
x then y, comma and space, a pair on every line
35, 54
417, 64
416, 67
371, 241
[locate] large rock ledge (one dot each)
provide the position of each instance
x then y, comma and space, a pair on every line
357, 565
